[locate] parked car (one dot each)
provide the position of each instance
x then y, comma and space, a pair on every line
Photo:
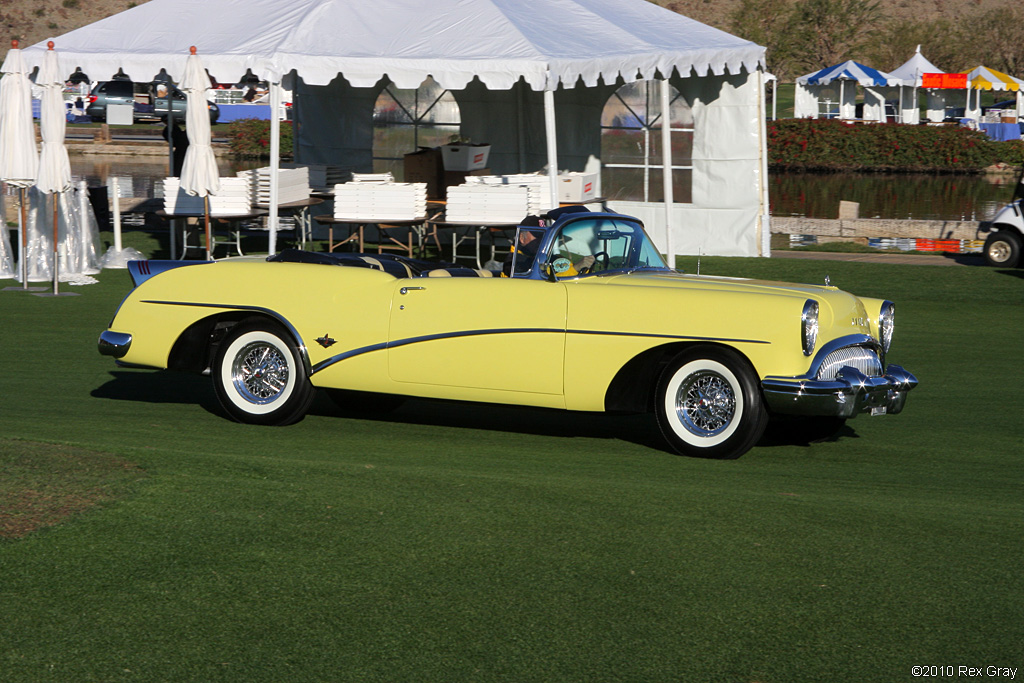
589, 318
149, 101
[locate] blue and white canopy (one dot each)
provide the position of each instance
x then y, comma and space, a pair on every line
848, 71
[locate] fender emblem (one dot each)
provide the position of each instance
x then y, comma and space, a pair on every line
325, 341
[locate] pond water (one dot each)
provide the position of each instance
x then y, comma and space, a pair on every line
898, 195
813, 195
97, 170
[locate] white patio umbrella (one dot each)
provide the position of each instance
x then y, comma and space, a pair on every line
19, 161
199, 175
54, 168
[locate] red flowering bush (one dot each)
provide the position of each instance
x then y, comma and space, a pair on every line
251, 138
830, 144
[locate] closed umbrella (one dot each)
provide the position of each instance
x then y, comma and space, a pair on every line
54, 168
199, 175
19, 161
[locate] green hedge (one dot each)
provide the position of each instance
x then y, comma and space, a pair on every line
251, 138
830, 144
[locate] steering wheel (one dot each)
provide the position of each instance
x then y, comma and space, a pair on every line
590, 269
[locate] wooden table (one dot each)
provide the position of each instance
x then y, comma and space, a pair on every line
300, 210
234, 228
479, 228
360, 225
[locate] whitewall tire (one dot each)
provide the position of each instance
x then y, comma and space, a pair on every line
259, 375
708, 403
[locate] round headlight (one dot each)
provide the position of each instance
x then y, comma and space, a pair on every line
809, 326
886, 324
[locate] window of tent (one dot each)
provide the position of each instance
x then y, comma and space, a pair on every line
405, 119
631, 144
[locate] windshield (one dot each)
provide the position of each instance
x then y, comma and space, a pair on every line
602, 243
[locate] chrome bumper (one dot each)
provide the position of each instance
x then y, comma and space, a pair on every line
114, 344
849, 394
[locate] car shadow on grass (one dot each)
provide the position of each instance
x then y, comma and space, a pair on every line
160, 386
167, 386
639, 429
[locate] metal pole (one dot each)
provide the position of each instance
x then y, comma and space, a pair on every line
666, 169
552, 143
56, 244
275, 163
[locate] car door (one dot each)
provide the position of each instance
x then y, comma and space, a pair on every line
497, 334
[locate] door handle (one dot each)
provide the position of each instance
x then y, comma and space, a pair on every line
405, 290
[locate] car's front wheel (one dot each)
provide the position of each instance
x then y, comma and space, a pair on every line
1003, 249
259, 376
708, 404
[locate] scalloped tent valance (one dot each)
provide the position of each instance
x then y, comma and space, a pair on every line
545, 42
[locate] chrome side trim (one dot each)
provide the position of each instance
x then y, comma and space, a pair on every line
326, 363
114, 344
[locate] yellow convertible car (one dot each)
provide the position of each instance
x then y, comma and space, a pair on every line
587, 317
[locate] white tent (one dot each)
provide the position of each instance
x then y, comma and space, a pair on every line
551, 60
910, 75
837, 85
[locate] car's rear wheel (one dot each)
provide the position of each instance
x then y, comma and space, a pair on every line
1003, 249
708, 404
259, 376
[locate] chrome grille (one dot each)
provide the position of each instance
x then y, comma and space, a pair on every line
859, 358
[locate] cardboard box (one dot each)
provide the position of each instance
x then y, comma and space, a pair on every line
425, 166
577, 187
465, 157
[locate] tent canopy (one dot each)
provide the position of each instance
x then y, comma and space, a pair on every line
546, 42
848, 71
911, 71
983, 78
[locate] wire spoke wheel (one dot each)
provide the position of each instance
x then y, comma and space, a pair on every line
259, 375
260, 372
705, 403
708, 403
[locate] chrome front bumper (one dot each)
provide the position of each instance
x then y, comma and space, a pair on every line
849, 394
114, 344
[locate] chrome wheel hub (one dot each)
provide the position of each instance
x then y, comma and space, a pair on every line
705, 403
260, 372
999, 252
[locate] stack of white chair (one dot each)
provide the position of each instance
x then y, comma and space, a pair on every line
367, 201
231, 200
483, 203
323, 177
292, 185
542, 184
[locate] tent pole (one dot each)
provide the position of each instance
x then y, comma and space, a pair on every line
764, 241
275, 162
552, 143
666, 169
521, 125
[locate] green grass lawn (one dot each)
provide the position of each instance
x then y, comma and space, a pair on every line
452, 542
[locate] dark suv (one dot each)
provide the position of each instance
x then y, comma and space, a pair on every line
149, 100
